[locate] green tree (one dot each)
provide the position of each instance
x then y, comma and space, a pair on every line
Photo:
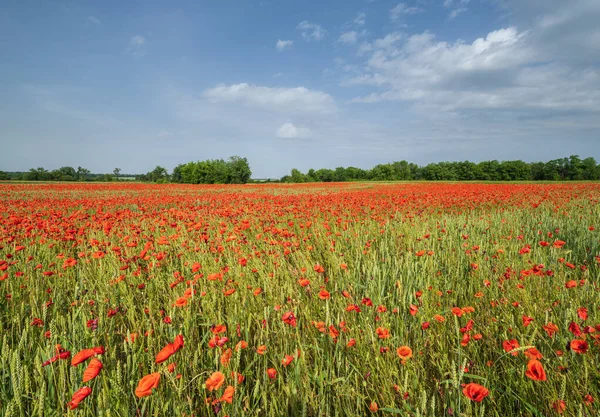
82, 174
158, 174
239, 170
297, 176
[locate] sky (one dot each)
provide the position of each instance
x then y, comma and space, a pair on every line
296, 84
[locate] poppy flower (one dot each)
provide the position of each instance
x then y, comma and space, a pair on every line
457, 311
85, 354
62, 355
560, 406
551, 329
215, 381
289, 318
272, 373
180, 302
78, 397
575, 329
147, 384
226, 357
579, 346
382, 333
261, 350
324, 294
509, 345
405, 353
287, 360
535, 370
475, 392
533, 353
170, 349
373, 407
92, 370
228, 394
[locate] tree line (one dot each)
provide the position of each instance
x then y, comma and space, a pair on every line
235, 170
65, 173
572, 168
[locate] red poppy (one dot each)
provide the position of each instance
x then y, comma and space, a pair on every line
289, 318
215, 381
324, 294
287, 360
228, 394
510, 345
382, 333
92, 370
404, 353
579, 346
475, 392
78, 397
535, 370
85, 354
147, 384
170, 349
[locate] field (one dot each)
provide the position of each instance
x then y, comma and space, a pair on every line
414, 299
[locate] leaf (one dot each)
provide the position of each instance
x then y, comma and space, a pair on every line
392, 410
474, 377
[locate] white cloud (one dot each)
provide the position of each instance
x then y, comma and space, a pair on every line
402, 10
505, 70
137, 46
283, 45
137, 40
163, 133
299, 99
348, 38
360, 19
289, 131
457, 6
311, 31
451, 3
454, 13
94, 20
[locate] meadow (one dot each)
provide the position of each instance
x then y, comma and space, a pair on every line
353, 299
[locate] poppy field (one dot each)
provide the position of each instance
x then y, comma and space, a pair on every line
353, 299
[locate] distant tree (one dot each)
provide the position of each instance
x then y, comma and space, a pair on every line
82, 174
116, 173
590, 170
235, 170
38, 174
3, 176
177, 174
158, 174
64, 174
239, 170
297, 176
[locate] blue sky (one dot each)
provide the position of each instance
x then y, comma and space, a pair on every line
296, 84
